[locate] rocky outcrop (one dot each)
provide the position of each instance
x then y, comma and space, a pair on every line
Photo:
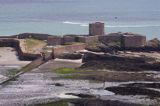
119, 63
136, 89
91, 56
154, 43
72, 56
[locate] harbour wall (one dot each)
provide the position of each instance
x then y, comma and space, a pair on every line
59, 50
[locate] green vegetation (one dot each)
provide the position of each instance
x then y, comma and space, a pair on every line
33, 44
73, 43
12, 72
71, 35
115, 43
45, 49
66, 70
92, 44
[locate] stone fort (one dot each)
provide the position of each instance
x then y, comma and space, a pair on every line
97, 34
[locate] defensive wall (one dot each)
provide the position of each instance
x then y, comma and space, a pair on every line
9, 42
124, 40
59, 50
111, 38
88, 39
32, 35
58, 40
134, 41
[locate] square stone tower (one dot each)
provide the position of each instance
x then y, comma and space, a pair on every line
96, 28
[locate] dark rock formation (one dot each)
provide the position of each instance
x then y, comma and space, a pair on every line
72, 56
32, 35
137, 89
98, 102
118, 63
91, 56
154, 43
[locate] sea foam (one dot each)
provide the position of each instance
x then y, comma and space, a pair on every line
111, 26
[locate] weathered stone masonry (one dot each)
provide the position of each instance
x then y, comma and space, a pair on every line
58, 50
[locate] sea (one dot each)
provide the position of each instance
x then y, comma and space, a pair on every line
60, 17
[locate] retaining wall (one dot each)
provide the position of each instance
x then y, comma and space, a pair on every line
54, 40
58, 50
8, 42
134, 41
32, 35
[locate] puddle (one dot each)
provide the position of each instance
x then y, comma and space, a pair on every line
67, 96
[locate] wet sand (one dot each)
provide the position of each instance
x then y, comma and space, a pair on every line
8, 57
9, 61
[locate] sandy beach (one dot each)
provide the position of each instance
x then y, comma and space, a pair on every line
8, 57
9, 61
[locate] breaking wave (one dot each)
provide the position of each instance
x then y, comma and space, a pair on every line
111, 26
131, 26
75, 23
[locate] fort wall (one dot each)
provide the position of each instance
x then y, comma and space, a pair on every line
54, 40
124, 39
68, 39
58, 50
111, 38
134, 41
32, 35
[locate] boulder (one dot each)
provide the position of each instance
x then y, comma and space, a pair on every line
72, 56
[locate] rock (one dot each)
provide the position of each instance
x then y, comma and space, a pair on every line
134, 89
72, 56
118, 63
94, 49
91, 56
58, 84
154, 43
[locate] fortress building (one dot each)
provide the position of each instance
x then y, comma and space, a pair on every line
133, 40
97, 35
96, 28
124, 40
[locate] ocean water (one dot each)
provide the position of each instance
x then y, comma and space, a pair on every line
60, 17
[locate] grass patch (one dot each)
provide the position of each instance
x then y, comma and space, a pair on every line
12, 72
66, 70
32, 44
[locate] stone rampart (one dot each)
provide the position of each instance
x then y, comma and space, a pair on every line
58, 50
32, 35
